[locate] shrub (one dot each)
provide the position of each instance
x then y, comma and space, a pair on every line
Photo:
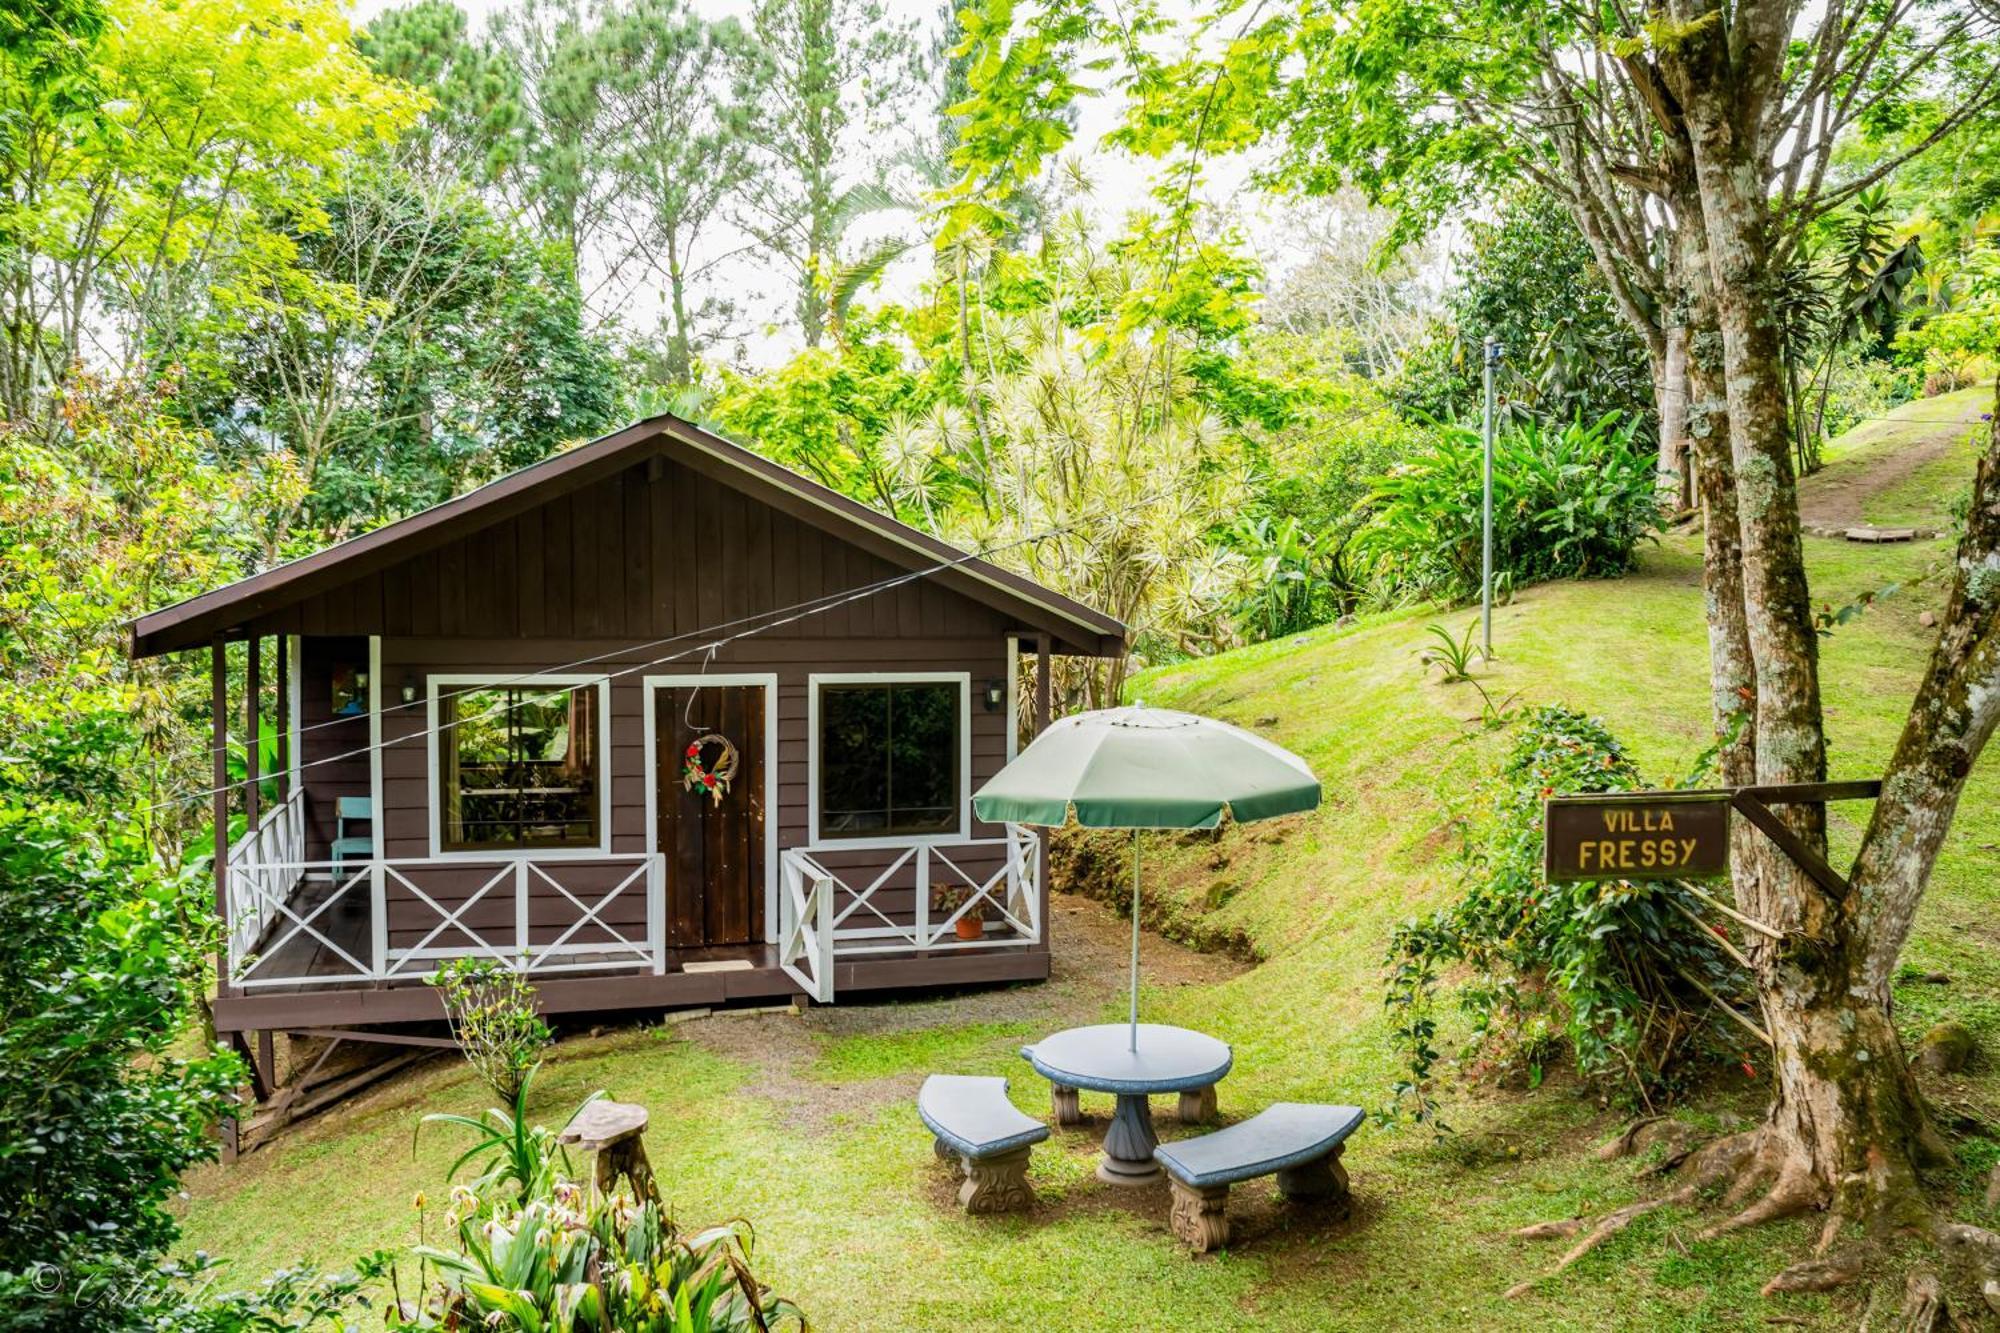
538, 1251
1568, 503
578, 1261
491, 1008
1606, 972
526, 1158
97, 1117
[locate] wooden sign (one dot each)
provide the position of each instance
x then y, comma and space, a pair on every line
1636, 835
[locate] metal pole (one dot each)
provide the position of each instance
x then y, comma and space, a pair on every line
1492, 358
1135, 941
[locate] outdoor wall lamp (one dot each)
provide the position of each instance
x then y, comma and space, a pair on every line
409, 689
995, 695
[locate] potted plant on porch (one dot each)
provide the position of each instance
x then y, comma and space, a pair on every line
949, 899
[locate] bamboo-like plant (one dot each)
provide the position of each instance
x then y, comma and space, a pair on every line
491, 1008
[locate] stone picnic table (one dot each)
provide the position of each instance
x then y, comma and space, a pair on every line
1102, 1059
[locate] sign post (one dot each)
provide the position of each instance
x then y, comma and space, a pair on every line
1492, 360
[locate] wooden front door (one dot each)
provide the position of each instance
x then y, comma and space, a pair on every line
714, 849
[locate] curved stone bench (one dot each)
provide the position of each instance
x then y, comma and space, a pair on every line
972, 1119
1301, 1142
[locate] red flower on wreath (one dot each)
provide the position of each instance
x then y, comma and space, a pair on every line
710, 780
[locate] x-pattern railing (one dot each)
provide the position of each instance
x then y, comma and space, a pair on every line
539, 959
805, 934
275, 903
244, 967
860, 923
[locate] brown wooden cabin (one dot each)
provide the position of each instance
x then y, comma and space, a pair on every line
485, 711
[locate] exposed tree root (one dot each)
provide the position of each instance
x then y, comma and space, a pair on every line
1710, 1166
1794, 1192
1924, 1308
1877, 1199
1836, 1270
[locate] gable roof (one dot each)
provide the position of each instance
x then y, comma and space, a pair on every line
227, 611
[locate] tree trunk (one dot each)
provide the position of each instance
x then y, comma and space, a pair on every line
1672, 395
1956, 709
1847, 1127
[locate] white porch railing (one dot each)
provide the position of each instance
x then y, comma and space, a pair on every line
826, 915
351, 947
260, 871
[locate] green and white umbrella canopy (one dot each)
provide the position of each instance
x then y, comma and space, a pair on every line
1146, 768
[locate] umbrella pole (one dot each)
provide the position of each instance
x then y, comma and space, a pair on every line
1135, 941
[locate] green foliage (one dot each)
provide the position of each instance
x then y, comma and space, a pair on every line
524, 1157
539, 1253
147, 172
491, 1009
99, 1117
418, 347
567, 1262
1568, 503
1531, 282
827, 411
1452, 657
1603, 972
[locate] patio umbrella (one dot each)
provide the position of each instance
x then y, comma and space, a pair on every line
1146, 768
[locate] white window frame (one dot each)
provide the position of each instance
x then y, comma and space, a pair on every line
435, 777
963, 833
769, 681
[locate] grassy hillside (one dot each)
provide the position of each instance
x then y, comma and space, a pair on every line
806, 1126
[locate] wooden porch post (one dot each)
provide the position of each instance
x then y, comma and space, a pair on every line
1044, 687
218, 711
1044, 705
253, 688
284, 773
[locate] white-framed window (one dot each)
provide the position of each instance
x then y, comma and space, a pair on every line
520, 765
891, 757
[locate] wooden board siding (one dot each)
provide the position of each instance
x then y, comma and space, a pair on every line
332, 751
635, 557
613, 572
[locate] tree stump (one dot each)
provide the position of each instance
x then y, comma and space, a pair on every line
616, 1133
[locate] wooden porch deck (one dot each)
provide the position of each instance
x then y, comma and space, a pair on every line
324, 995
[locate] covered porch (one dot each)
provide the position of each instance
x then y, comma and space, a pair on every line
296, 926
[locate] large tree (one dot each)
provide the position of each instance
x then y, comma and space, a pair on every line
1696, 141
833, 68
677, 86
133, 193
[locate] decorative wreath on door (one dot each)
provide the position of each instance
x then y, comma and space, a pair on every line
711, 779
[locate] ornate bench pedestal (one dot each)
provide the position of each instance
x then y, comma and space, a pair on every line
996, 1184
1301, 1144
1198, 1105
970, 1119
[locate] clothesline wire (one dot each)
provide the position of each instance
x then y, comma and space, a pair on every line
788, 615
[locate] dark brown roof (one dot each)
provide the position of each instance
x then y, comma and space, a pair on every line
1073, 627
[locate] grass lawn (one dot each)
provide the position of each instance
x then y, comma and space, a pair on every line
806, 1125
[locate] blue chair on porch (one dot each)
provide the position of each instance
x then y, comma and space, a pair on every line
348, 811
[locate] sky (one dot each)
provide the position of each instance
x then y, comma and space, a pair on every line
762, 335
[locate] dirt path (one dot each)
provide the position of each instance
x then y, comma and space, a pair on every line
1089, 967
1833, 498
